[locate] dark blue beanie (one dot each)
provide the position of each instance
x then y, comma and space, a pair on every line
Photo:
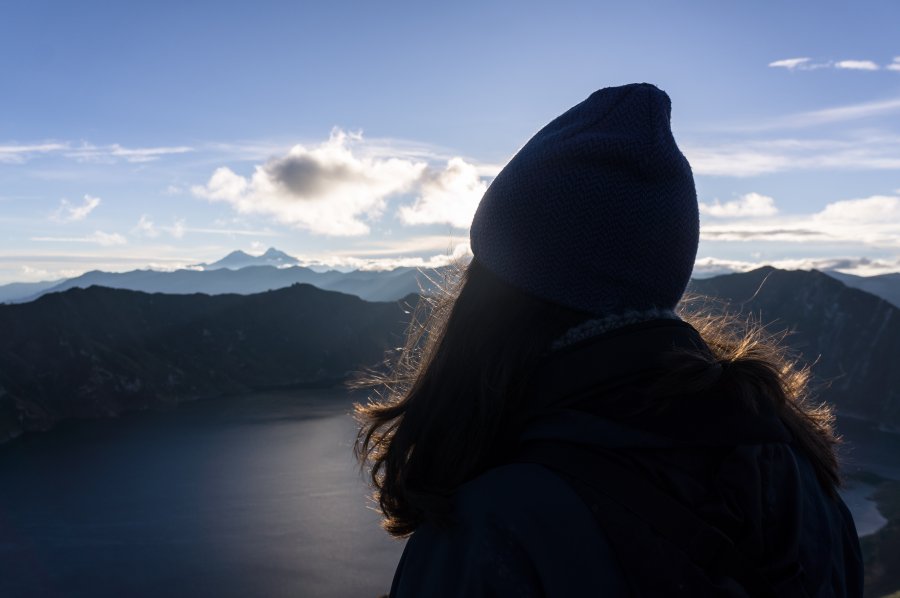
598, 211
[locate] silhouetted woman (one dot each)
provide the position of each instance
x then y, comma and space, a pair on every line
554, 428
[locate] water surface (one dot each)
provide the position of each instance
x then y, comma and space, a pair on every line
245, 496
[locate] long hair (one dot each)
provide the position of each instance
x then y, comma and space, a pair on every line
455, 397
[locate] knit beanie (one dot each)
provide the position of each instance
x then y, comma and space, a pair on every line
598, 211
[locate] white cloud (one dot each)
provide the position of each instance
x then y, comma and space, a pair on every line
453, 254
325, 189
450, 196
806, 64
872, 210
789, 63
88, 152
755, 157
338, 187
145, 227
16, 153
97, 237
872, 221
856, 65
177, 230
66, 212
107, 239
749, 205
894, 66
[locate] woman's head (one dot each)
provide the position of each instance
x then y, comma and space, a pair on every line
598, 211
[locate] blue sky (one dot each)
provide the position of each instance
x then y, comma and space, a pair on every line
361, 134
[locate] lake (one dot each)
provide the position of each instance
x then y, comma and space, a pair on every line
241, 496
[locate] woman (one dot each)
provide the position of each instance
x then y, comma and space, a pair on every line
554, 428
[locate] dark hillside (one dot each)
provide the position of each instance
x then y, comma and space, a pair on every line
99, 351
851, 337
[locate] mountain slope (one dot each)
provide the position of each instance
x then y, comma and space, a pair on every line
98, 351
15, 291
886, 286
852, 338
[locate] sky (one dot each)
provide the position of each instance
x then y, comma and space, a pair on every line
362, 134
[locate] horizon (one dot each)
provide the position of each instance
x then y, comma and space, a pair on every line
359, 136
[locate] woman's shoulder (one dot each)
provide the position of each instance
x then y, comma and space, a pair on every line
516, 530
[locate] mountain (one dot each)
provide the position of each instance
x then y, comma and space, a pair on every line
886, 286
98, 351
388, 285
851, 337
238, 259
16, 290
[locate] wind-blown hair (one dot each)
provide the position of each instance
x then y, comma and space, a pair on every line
456, 396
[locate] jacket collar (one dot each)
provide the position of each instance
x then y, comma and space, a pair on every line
573, 382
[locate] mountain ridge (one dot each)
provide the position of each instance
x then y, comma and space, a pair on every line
98, 352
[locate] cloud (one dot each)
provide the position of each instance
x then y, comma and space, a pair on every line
88, 152
872, 221
856, 65
869, 210
454, 253
449, 196
66, 212
338, 187
789, 63
806, 64
751, 204
145, 228
835, 114
325, 189
756, 157
97, 237
894, 66
178, 229
16, 154
860, 266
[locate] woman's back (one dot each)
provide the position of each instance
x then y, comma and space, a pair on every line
526, 529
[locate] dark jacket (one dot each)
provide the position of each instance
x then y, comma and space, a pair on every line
521, 529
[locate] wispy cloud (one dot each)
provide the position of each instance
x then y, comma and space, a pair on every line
790, 63
856, 65
67, 212
452, 253
97, 237
872, 221
145, 228
18, 153
88, 152
895, 65
749, 205
807, 64
756, 157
